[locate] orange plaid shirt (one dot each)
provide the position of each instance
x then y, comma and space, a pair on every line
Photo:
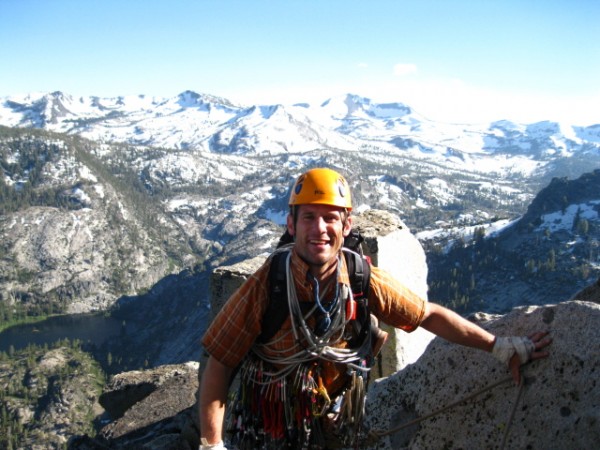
235, 328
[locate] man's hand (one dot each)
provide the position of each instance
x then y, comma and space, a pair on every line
540, 341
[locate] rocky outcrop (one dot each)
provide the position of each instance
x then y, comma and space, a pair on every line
558, 407
391, 246
225, 280
150, 409
159, 401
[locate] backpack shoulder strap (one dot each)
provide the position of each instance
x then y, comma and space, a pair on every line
359, 272
277, 309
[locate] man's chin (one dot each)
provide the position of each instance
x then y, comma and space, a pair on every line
318, 260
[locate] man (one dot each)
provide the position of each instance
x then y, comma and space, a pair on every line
303, 388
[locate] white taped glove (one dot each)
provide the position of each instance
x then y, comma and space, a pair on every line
506, 347
204, 445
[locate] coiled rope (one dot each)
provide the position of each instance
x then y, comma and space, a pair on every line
313, 346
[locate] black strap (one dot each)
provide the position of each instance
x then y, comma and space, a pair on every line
359, 272
277, 310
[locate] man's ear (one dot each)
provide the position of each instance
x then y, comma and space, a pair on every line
347, 226
290, 225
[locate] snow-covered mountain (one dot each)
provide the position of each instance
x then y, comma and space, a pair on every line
409, 161
401, 160
206, 123
188, 121
137, 196
208, 156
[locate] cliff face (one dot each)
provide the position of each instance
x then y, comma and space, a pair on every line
77, 232
75, 259
557, 408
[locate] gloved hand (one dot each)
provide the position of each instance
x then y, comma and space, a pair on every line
514, 351
204, 445
506, 347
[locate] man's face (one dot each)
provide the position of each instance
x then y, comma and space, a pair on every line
319, 233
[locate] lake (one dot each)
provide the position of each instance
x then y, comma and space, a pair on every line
88, 328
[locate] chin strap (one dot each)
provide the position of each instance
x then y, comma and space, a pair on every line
506, 347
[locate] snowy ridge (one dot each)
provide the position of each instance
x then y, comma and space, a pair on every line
203, 122
399, 160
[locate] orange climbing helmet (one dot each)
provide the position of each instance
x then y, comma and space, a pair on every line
321, 187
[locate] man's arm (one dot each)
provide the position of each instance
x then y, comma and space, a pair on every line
213, 396
450, 326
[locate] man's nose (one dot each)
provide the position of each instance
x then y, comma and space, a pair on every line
320, 224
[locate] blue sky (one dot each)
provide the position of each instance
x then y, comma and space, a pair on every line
450, 60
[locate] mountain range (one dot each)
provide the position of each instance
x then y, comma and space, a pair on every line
113, 202
207, 123
411, 162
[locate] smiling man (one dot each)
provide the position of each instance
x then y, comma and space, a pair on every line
303, 386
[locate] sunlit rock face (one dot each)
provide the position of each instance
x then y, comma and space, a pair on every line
558, 407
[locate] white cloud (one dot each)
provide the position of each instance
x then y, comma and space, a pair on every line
445, 100
401, 70
452, 100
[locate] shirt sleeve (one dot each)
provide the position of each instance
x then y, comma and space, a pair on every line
393, 303
235, 328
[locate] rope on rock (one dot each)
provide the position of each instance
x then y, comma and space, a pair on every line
512, 413
375, 435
